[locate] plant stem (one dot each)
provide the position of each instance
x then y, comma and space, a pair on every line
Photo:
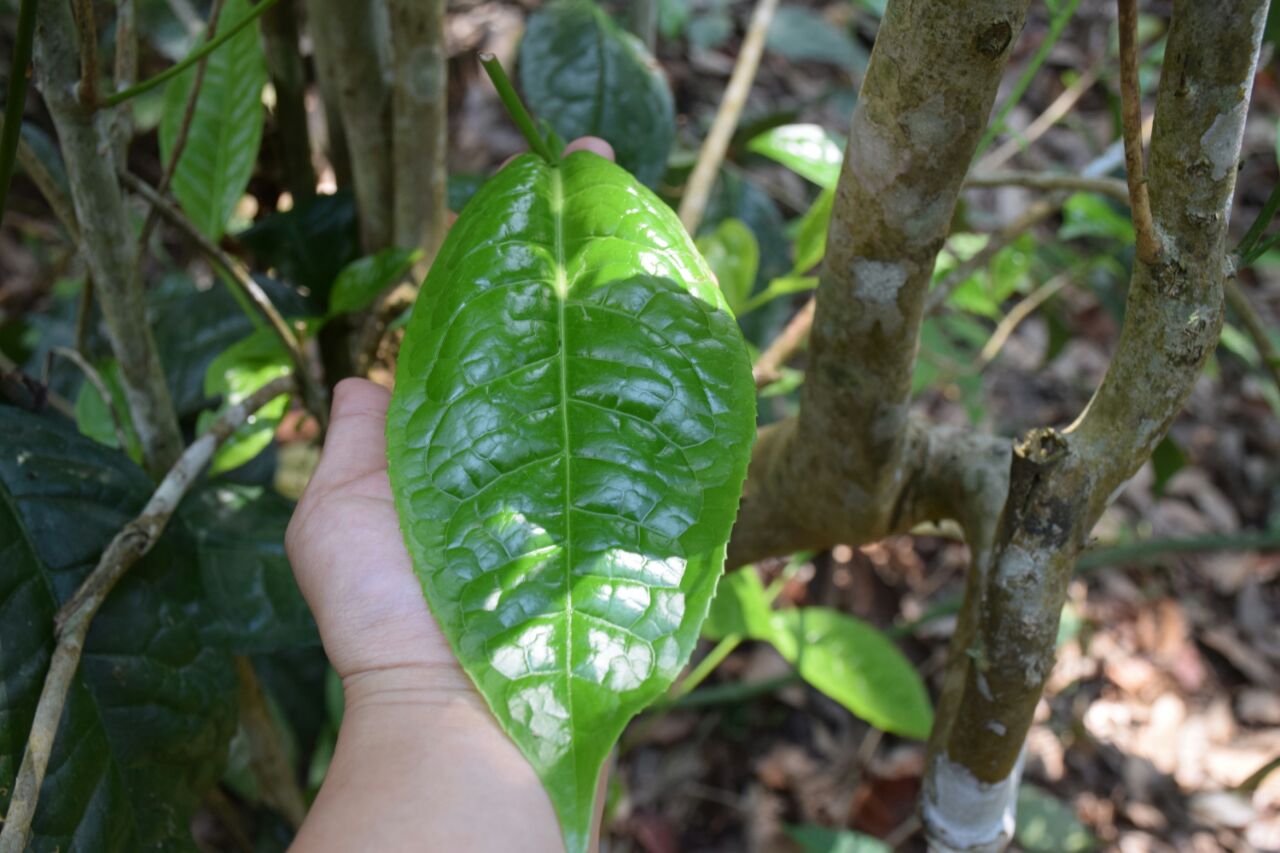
515, 107
1110, 187
1256, 328
16, 98
191, 58
267, 757
88, 30
289, 77
1249, 243
95, 379
703, 178
1148, 244
74, 618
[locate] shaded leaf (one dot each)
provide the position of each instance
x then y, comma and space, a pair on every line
226, 129
254, 602
151, 708
733, 255
1045, 825
806, 149
819, 839
803, 35
585, 75
1167, 459
567, 441
363, 280
811, 237
94, 414
740, 607
1086, 215
309, 244
857, 666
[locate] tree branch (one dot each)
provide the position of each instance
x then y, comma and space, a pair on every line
74, 618
276, 779
1109, 187
107, 239
312, 396
1061, 482
87, 28
1131, 119
289, 77
703, 178
419, 125
350, 38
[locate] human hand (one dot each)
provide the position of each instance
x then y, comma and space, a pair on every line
420, 762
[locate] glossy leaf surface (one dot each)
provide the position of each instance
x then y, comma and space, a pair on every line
226, 129
586, 75
806, 149
567, 442
152, 706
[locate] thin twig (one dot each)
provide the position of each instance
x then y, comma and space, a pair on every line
267, 758
313, 397
19, 77
1257, 329
1019, 312
74, 618
191, 58
768, 367
698, 189
98, 383
87, 28
10, 369
84, 311
1110, 187
184, 131
45, 182
1052, 114
1148, 244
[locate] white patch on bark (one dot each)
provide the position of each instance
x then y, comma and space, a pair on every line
877, 285
931, 125
1021, 576
1221, 142
964, 815
920, 217
875, 155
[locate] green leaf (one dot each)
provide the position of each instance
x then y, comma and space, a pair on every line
235, 374
362, 281
249, 588
736, 196
567, 443
309, 244
587, 76
740, 607
857, 666
733, 255
1167, 459
226, 129
93, 416
806, 149
1086, 215
803, 35
152, 706
1046, 825
811, 237
819, 839
784, 286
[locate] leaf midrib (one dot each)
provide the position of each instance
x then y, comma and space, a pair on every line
561, 288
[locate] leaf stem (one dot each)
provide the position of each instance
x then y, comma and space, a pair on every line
515, 107
17, 95
1249, 243
191, 58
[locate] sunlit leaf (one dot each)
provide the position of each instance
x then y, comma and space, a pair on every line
235, 374
806, 149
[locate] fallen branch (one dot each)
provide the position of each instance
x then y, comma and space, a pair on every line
768, 367
703, 178
1019, 312
312, 396
72, 622
1109, 187
1052, 114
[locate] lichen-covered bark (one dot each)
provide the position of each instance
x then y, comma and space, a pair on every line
1061, 482
351, 45
838, 472
419, 129
108, 244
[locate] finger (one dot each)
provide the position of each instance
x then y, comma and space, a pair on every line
356, 444
594, 144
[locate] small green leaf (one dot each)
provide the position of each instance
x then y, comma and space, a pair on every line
740, 607
1045, 825
1086, 215
567, 441
733, 255
811, 237
806, 149
235, 374
226, 129
1167, 459
785, 286
362, 281
819, 839
93, 416
857, 666
587, 76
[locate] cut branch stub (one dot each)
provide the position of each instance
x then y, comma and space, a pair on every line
567, 441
